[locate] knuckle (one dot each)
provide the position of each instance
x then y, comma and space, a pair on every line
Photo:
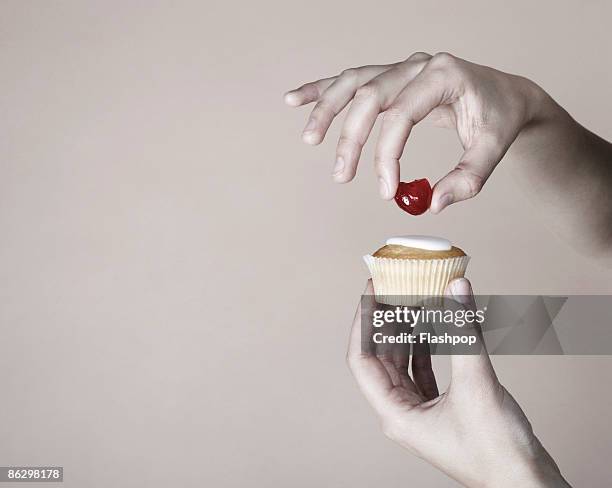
369, 91
348, 140
419, 56
381, 162
396, 113
443, 59
350, 75
324, 107
348, 361
472, 182
353, 361
444, 67
437, 75
311, 87
443, 80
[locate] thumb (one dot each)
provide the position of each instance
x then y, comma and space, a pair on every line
470, 370
468, 177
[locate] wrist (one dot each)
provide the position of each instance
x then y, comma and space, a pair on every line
540, 473
547, 129
541, 107
547, 476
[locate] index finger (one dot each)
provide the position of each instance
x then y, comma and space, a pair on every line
425, 92
371, 375
312, 91
308, 92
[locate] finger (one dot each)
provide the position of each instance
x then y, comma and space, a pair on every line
370, 100
396, 358
372, 377
334, 98
398, 377
422, 371
309, 92
330, 104
401, 361
469, 176
470, 372
428, 90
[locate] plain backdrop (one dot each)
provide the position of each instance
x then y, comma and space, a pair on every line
178, 273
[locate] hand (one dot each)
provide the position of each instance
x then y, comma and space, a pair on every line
487, 108
475, 432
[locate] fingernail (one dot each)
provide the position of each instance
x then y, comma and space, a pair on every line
291, 98
338, 167
461, 290
445, 201
312, 123
383, 187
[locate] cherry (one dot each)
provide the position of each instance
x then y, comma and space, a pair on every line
414, 197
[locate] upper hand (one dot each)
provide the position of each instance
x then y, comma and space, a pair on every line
488, 109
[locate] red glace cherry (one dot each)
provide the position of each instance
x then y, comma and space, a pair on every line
414, 197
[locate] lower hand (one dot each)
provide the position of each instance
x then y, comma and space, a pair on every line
475, 432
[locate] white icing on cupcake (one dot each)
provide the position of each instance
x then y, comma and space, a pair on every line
428, 243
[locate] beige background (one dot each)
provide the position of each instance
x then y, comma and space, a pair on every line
178, 272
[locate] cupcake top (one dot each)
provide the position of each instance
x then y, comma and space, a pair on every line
418, 247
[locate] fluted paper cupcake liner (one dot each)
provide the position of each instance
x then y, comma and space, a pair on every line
409, 281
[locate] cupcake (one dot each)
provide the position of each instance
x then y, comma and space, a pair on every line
411, 269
